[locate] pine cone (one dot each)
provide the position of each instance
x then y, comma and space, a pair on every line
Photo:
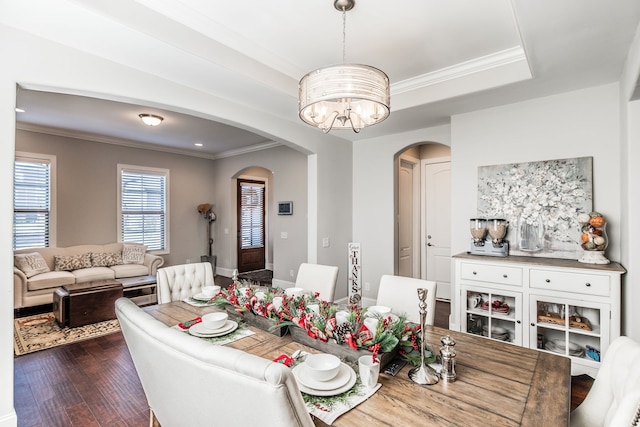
340, 332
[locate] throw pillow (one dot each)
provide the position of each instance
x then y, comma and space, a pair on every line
31, 264
133, 253
105, 259
72, 262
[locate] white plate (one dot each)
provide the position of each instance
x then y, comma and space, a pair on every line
199, 330
303, 376
315, 392
201, 297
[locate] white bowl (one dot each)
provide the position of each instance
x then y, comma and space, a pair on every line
380, 309
322, 366
214, 320
210, 291
293, 292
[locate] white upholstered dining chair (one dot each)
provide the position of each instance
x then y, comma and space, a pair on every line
614, 398
178, 282
318, 278
192, 382
401, 295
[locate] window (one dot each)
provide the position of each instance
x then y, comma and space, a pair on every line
251, 214
143, 197
33, 201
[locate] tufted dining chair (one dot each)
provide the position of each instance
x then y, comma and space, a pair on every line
401, 295
191, 382
318, 278
614, 398
178, 282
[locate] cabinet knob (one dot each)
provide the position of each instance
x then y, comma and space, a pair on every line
548, 280
533, 324
505, 276
474, 273
587, 285
518, 322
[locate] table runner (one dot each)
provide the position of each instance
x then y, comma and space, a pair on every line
339, 405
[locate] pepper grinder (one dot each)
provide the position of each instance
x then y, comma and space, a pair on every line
423, 374
448, 359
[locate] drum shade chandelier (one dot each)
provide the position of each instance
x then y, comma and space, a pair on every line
347, 96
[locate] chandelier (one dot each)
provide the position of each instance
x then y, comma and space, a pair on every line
347, 96
151, 119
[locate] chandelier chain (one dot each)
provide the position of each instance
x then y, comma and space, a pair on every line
344, 35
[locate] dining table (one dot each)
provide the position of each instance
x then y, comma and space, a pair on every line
497, 383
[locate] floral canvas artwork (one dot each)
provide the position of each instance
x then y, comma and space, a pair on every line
541, 201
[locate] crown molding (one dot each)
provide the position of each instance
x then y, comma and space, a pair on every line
494, 60
67, 133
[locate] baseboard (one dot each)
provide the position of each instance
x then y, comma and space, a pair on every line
9, 419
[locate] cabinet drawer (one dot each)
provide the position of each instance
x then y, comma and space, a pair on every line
491, 273
591, 284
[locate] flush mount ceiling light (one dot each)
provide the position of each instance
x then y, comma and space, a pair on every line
347, 96
151, 119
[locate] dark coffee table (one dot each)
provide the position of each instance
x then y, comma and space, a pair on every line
84, 303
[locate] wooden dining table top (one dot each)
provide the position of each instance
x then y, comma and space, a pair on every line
498, 384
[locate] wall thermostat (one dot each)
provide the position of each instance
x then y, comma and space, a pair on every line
285, 208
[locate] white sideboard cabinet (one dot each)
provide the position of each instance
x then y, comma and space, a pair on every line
556, 305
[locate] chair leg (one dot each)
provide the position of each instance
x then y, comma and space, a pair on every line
153, 421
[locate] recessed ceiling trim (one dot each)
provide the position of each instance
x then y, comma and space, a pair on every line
143, 146
494, 60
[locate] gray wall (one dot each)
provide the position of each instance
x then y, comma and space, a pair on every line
87, 191
288, 181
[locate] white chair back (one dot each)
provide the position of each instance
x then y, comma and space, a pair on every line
614, 397
190, 382
401, 295
178, 282
318, 278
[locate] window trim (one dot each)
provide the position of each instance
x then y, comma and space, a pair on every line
25, 156
151, 171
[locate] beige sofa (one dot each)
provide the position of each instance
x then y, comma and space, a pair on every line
39, 287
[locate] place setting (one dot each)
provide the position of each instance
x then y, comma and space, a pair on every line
216, 328
330, 387
204, 297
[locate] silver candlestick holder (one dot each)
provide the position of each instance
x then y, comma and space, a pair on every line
423, 374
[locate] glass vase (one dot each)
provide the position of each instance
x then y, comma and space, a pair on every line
530, 233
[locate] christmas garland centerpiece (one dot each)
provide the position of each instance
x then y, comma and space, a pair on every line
257, 305
348, 333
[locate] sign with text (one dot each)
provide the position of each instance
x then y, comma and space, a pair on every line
355, 278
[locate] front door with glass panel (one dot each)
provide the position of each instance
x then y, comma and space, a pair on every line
251, 225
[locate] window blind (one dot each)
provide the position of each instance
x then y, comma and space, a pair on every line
143, 206
251, 215
31, 204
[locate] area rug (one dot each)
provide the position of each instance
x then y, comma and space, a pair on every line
40, 331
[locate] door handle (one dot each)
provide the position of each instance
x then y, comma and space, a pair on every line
429, 244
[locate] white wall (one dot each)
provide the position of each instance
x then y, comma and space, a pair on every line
7, 156
373, 199
630, 157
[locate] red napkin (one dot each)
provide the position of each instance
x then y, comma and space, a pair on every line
284, 359
189, 323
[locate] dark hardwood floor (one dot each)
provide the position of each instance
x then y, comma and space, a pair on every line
93, 383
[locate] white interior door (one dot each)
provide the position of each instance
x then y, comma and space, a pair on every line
405, 224
437, 232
